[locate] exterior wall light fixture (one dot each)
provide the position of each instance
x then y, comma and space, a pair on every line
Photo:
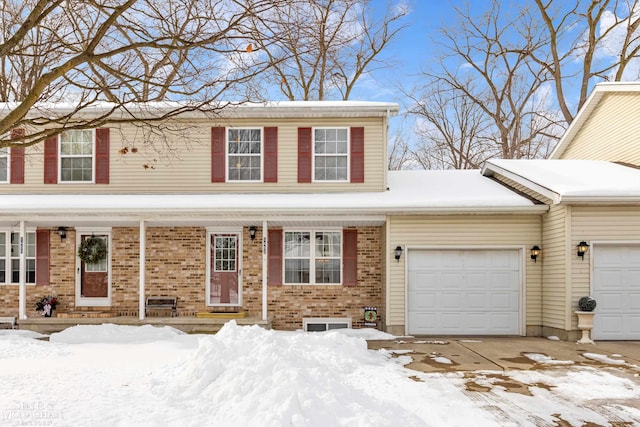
62, 232
535, 252
252, 232
398, 253
582, 249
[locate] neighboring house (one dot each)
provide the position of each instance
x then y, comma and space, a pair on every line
285, 211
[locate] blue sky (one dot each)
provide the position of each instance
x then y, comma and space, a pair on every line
411, 50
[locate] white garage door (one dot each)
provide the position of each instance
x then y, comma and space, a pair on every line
616, 289
463, 292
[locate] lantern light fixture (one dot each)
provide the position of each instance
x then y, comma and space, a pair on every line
252, 232
583, 247
535, 252
398, 253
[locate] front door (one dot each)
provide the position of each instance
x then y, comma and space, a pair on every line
93, 281
224, 287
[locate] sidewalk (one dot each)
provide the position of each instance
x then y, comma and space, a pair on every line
490, 353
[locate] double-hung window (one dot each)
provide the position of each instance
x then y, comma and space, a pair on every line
10, 257
77, 156
4, 165
244, 154
313, 257
331, 154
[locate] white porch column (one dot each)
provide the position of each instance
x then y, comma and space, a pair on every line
265, 262
22, 311
143, 254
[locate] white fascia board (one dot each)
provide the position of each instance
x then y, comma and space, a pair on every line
490, 169
221, 110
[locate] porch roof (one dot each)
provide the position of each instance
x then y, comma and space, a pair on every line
572, 181
409, 192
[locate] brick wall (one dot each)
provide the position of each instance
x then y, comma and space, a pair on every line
176, 266
288, 304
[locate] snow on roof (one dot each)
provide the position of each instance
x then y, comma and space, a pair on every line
217, 109
409, 192
572, 180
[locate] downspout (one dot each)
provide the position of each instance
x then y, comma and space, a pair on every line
143, 254
264, 270
22, 311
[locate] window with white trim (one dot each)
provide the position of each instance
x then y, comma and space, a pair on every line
244, 154
10, 257
77, 155
318, 262
330, 154
4, 165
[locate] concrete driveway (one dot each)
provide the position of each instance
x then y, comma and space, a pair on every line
514, 378
490, 353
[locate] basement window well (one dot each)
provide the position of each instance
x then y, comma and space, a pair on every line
319, 324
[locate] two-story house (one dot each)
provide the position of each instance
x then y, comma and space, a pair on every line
285, 212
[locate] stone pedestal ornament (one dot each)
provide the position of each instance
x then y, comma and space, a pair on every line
585, 315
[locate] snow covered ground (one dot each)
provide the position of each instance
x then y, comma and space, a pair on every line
112, 375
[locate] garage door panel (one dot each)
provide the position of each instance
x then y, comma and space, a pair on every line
616, 288
471, 292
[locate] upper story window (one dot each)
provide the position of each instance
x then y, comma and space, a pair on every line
10, 257
4, 165
312, 257
331, 154
76, 156
244, 154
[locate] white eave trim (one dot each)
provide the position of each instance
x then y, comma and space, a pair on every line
491, 169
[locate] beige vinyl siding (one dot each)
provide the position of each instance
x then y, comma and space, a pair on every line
464, 231
182, 163
554, 262
522, 189
610, 133
593, 224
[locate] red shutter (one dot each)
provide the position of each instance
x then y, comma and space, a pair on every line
271, 154
274, 258
102, 156
350, 257
304, 154
51, 160
42, 257
17, 159
217, 154
357, 155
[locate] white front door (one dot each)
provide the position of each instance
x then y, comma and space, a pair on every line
463, 292
616, 289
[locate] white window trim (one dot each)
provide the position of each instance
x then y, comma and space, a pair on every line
7, 256
227, 154
89, 301
210, 232
326, 321
8, 157
93, 161
312, 257
313, 155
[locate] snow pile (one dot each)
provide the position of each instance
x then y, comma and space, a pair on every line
110, 333
543, 358
281, 378
603, 358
